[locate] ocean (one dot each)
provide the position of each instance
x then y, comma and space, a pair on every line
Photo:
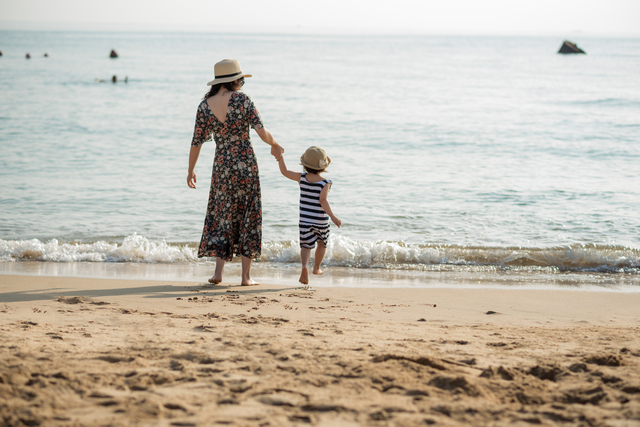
456, 160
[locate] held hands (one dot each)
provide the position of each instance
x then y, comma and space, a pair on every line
277, 151
191, 180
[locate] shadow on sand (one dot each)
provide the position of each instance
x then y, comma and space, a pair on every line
161, 291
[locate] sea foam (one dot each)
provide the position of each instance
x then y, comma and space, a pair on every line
341, 251
133, 248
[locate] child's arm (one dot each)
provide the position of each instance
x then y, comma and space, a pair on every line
294, 176
327, 207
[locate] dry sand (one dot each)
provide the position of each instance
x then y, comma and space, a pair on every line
88, 352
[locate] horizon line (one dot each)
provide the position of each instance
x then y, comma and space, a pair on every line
291, 30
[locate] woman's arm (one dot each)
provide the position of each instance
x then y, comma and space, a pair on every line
265, 135
326, 206
294, 176
193, 159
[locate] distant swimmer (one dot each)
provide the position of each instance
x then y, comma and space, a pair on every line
46, 55
113, 54
126, 79
0, 53
27, 56
114, 79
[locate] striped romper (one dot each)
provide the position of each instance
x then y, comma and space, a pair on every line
314, 221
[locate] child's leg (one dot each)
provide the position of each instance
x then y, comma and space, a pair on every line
305, 254
320, 251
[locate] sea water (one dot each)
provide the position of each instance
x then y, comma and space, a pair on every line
450, 155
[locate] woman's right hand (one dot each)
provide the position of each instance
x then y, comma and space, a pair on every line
193, 159
191, 180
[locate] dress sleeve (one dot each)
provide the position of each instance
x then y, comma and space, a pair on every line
252, 113
203, 128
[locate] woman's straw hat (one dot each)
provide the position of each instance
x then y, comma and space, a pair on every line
315, 158
227, 71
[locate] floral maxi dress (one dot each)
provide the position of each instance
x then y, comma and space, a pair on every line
233, 224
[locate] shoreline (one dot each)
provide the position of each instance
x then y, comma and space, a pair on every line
450, 277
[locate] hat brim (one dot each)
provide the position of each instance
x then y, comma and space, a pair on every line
315, 167
227, 79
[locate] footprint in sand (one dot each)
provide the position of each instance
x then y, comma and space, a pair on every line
80, 300
70, 300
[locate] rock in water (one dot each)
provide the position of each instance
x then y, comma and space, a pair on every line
113, 54
570, 47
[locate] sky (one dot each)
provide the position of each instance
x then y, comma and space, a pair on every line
490, 17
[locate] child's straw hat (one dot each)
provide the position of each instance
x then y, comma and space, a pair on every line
315, 158
226, 71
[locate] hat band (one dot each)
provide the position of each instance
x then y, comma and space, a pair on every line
229, 75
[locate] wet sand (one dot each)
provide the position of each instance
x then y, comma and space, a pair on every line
86, 352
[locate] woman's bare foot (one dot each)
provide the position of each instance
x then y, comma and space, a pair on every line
304, 276
318, 271
250, 282
214, 280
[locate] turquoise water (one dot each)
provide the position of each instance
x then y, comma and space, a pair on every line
447, 151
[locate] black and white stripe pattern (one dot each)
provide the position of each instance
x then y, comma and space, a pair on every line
314, 221
311, 211
309, 235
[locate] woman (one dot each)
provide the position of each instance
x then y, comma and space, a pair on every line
233, 224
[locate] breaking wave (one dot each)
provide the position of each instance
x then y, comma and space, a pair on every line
341, 251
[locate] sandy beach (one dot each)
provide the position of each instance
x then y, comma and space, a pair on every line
96, 352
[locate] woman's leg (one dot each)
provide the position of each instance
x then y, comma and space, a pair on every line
246, 272
305, 254
320, 251
217, 277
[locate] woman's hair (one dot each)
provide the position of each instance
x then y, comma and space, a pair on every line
215, 88
316, 171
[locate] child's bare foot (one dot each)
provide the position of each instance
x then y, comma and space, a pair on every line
318, 271
249, 282
215, 280
304, 276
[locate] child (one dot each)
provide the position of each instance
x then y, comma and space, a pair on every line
315, 210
